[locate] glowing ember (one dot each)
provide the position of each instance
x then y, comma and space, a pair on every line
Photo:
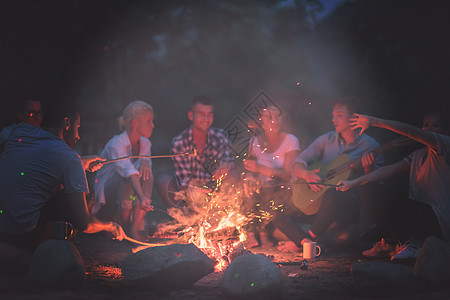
212, 220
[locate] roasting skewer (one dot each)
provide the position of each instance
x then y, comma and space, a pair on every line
149, 156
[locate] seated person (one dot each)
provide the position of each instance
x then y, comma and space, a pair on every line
126, 185
427, 212
212, 160
42, 180
336, 210
269, 162
29, 111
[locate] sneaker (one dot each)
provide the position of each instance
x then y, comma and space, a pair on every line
406, 251
381, 249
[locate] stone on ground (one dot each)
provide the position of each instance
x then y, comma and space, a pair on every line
382, 278
14, 259
251, 276
57, 263
167, 267
433, 263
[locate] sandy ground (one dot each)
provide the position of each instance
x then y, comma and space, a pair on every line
327, 277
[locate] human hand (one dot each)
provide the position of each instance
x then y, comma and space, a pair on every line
345, 185
250, 185
251, 165
92, 163
145, 170
367, 161
312, 176
145, 203
360, 121
117, 231
221, 172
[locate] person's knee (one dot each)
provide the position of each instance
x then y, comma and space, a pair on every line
330, 198
125, 190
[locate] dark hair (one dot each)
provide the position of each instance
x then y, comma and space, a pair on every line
352, 103
441, 116
201, 100
56, 112
22, 100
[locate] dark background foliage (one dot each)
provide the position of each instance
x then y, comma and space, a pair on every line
392, 55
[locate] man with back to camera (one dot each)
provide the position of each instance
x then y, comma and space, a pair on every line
43, 180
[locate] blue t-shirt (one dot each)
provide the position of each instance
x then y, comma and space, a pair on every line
33, 165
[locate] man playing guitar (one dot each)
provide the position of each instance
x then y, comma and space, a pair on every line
335, 208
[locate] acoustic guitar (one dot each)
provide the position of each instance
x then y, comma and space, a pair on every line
309, 201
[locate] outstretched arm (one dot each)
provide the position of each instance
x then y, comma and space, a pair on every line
145, 202
376, 175
422, 136
82, 220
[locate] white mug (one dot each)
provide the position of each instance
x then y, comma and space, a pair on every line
311, 250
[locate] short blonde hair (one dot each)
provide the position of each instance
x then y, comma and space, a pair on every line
132, 111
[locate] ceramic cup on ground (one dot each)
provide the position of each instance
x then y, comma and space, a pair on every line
311, 250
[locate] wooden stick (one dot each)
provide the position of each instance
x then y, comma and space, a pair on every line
142, 243
147, 156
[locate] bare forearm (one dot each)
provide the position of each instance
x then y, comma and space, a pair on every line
382, 173
415, 133
136, 184
95, 225
299, 170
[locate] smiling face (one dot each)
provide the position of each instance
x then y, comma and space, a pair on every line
201, 116
271, 120
341, 118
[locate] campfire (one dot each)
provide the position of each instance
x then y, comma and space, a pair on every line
212, 221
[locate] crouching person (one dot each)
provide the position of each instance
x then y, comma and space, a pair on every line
123, 189
42, 180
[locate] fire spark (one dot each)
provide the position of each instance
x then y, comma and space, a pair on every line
212, 221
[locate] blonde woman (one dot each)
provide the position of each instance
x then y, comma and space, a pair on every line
126, 185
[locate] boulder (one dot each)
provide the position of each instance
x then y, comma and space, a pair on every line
14, 259
57, 263
251, 276
433, 263
382, 278
167, 267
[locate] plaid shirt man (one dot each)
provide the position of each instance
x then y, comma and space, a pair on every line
217, 152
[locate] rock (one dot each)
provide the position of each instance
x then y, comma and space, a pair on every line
251, 276
433, 263
167, 267
14, 259
57, 263
382, 278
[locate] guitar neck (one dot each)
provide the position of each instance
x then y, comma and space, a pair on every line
356, 163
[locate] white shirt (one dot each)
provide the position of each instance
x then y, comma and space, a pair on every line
274, 160
118, 146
